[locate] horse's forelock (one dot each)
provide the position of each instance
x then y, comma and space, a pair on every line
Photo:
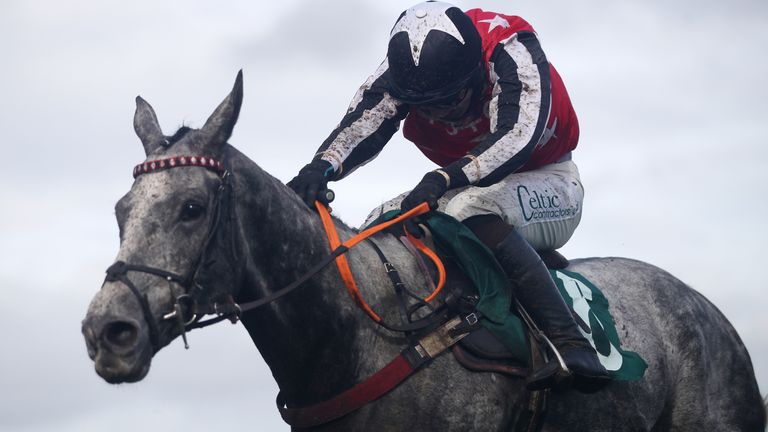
186, 141
178, 135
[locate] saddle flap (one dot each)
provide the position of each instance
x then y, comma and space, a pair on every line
484, 344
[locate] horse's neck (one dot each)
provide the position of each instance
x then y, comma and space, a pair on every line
316, 327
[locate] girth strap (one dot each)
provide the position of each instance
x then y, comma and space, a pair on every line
356, 397
410, 360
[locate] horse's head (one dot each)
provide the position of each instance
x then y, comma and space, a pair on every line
169, 226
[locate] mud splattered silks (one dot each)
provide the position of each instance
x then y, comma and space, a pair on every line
522, 120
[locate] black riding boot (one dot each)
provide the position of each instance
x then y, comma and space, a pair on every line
536, 291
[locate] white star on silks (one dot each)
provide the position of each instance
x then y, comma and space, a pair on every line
419, 20
495, 22
548, 134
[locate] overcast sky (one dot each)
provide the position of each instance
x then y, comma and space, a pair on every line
671, 96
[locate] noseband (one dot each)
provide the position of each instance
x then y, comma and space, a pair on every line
186, 310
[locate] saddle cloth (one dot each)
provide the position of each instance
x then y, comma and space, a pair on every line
455, 241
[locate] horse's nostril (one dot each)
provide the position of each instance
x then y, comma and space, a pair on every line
121, 334
90, 341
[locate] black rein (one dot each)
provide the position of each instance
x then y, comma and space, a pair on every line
118, 272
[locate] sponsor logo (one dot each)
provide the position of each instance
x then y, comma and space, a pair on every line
542, 205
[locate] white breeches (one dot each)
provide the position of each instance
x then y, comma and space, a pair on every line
544, 205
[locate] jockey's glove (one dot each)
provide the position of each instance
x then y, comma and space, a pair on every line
312, 181
430, 189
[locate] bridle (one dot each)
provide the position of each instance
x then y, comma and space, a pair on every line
187, 311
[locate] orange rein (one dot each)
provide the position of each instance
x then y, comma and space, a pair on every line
343, 265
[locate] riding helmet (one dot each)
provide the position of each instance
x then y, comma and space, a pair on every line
434, 52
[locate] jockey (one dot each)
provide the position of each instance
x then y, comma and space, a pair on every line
478, 97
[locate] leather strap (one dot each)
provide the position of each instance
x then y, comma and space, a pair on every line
118, 272
376, 386
343, 265
437, 315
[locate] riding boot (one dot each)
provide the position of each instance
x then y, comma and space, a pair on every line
536, 291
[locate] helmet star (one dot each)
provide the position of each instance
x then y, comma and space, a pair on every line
497, 21
419, 20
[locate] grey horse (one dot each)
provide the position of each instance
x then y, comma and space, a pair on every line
318, 343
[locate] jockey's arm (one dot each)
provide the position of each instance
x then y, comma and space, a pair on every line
372, 118
518, 110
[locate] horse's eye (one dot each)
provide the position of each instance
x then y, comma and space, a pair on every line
191, 211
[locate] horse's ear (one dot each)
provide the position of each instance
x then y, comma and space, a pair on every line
146, 126
219, 125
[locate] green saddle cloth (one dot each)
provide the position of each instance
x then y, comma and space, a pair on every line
455, 241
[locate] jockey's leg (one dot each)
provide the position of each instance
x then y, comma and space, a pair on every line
544, 207
534, 288
522, 213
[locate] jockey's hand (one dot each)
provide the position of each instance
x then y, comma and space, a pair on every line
312, 181
429, 189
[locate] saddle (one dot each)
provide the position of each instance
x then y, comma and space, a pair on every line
478, 349
482, 351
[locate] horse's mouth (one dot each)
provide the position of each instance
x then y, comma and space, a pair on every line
117, 369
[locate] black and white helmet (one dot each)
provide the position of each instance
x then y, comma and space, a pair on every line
434, 52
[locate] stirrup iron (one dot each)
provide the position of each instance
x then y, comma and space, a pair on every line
541, 337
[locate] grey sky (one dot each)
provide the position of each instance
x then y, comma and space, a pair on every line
671, 96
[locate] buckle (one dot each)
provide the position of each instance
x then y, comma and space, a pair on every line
471, 319
178, 313
441, 339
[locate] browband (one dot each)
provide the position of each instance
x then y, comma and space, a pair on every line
178, 161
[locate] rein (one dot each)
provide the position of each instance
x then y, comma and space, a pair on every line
234, 310
188, 312
444, 332
343, 265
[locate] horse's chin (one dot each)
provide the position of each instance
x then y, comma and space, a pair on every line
116, 369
